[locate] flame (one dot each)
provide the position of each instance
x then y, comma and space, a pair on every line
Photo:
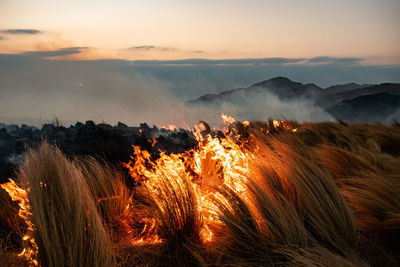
215, 161
170, 127
147, 235
194, 166
151, 240
284, 124
20, 195
227, 119
137, 164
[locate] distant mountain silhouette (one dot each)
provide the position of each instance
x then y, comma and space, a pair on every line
280, 86
390, 88
339, 88
381, 107
349, 102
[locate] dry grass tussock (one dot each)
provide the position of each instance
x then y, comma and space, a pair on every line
67, 227
327, 194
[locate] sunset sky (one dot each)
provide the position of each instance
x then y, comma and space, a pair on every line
176, 29
136, 61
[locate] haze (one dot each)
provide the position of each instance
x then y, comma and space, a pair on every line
116, 60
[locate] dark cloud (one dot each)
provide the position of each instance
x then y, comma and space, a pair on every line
151, 47
348, 60
199, 61
254, 61
21, 31
142, 47
53, 53
160, 48
319, 60
1, 38
334, 60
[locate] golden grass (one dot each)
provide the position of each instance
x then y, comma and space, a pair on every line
325, 195
68, 228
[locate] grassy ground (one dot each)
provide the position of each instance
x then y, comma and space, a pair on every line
326, 194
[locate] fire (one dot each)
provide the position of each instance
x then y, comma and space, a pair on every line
182, 185
170, 127
138, 167
284, 124
147, 236
216, 161
227, 119
20, 195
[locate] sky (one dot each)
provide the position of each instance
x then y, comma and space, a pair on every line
131, 60
176, 29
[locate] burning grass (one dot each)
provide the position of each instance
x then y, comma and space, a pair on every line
255, 194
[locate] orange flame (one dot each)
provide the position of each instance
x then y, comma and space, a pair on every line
170, 127
198, 167
214, 162
20, 195
227, 119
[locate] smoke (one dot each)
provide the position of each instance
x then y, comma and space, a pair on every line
78, 91
260, 105
117, 90
108, 91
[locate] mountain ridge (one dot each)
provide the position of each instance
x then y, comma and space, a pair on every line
329, 98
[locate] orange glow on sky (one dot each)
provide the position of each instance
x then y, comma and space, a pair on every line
160, 29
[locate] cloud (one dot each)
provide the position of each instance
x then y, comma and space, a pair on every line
348, 60
54, 53
1, 38
319, 60
21, 31
151, 47
142, 47
199, 61
146, 48
334, 60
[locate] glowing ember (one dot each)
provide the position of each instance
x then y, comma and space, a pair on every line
170, 127
152, 240
20, 195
